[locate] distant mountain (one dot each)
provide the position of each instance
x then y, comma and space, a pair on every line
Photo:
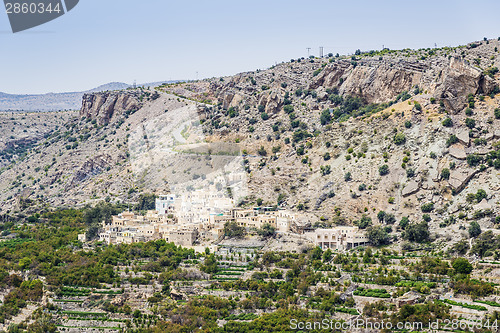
57, 101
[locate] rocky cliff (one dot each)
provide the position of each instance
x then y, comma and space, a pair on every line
105, 106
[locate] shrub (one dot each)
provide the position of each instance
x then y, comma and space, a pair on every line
407, 124
264, 116
447, 122
347, 177
470, 123
428, 207
325, 117
451, 140
474, 159
383, 170
390, 218
399, 138
410, 172
497, 113
364, 222
262, 151
445, 173
288, 109
417, 232
474, 229
325, 170
462, 266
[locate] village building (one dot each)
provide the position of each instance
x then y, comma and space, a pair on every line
338, 238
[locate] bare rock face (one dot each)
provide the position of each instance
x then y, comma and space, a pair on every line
380, 81
459, 80
379, 84
375, 83
458, 151
104, 106
460, 178
272, 102
92, 167
410, 188
463, 136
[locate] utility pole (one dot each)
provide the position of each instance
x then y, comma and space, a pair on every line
308, 51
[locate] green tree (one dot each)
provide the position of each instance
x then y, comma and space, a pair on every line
378, 236
404, 222
474, 229
267, 230
381, 216
325, 117
364, 222
327, 255
480, 195
146, 202
210, 265
232, 229
462, 266
417, 232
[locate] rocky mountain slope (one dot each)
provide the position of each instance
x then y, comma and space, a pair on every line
412, 132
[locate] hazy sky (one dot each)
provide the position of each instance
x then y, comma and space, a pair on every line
100, 41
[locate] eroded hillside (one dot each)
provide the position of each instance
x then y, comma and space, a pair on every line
339, 137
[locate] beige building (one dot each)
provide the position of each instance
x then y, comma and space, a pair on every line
130, 228
181, 235
251, 218
340, 238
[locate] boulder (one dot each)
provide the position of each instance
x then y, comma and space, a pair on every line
460, 178
483, 205
463, 136
410, 188
458, 151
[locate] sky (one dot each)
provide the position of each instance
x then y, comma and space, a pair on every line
103, 41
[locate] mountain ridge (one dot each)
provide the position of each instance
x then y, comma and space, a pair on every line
58, 101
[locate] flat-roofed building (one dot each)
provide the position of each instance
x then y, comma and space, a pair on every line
340, 238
